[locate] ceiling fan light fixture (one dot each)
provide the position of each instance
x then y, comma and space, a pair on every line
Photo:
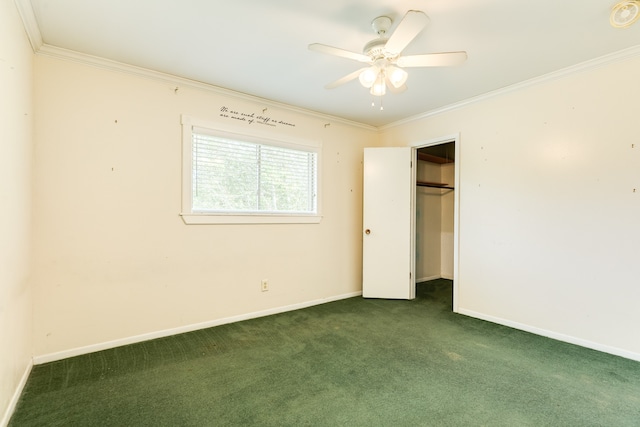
368, 76
379, 87
397, 76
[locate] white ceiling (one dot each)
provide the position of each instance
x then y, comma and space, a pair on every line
259, 47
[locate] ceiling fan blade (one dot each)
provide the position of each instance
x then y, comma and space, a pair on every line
444, 59
412, 23
345, 79
323, 48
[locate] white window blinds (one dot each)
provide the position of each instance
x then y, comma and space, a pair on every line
232, 176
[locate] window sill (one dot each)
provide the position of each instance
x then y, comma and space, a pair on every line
194, 219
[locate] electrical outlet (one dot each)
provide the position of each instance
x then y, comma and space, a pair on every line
264, 285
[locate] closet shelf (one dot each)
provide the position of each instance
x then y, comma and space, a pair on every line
434, 185
433, 159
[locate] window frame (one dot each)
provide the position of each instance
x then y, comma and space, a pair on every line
189, 216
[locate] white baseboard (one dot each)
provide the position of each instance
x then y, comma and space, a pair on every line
554, 335
426, 279
16, 395
52, 357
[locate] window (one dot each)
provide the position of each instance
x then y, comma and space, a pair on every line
234, 178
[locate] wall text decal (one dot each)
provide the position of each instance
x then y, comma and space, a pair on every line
252, 118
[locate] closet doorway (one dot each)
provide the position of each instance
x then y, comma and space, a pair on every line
436, 211
391, 216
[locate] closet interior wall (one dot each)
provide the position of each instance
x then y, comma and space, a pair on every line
434, 221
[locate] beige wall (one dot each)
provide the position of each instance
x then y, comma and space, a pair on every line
114, 260
16, 115
549, 203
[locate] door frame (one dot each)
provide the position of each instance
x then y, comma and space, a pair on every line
455, 138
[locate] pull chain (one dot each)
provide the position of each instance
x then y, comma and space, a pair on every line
373, 103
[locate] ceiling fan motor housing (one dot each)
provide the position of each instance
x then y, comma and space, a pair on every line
375, 48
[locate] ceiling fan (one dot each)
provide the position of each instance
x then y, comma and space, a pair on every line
384, 55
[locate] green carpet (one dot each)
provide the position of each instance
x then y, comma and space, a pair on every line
354, 362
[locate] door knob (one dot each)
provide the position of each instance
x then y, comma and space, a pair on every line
367, 231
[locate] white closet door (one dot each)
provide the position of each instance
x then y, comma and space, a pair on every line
387, 224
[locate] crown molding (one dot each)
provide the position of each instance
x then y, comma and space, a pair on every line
25, 9
602, 61
107, 64
27, 14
